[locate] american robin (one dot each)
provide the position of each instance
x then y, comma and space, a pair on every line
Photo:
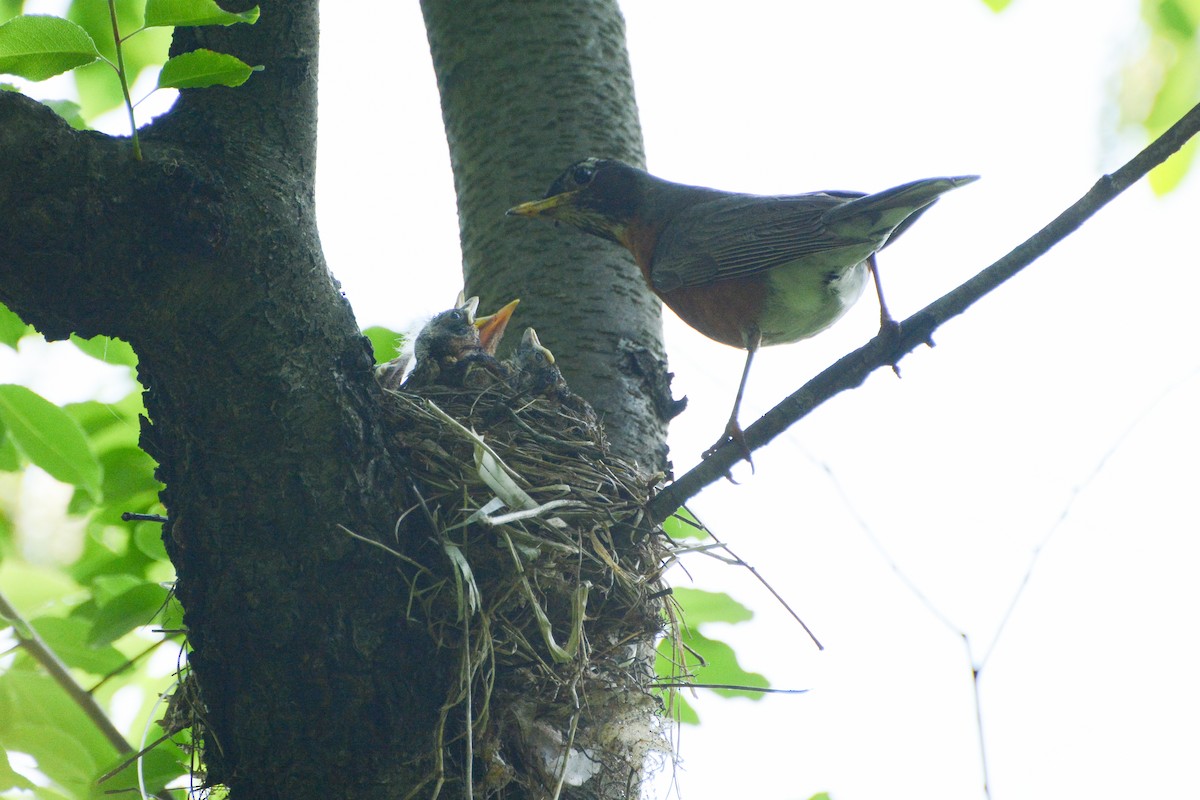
453, 337
746, 270
532, 371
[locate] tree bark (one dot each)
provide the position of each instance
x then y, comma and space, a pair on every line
528, 88
266, 419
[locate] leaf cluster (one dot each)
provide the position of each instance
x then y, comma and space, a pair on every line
37, 47
101, 610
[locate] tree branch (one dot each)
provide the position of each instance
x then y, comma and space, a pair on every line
888, 348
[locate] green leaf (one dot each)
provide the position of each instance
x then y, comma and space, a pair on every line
49, 437
721, 666
35, 590
700, 606
10, 459
10, 8
183, 13
385, 343
9, 778
109, 425
1175, 17
684, 525
66, 637
147, 537
172, 616
1178, 92
38, 718
133, 609
1169, 174
106, 588
107, 349
128, 473
201, 68
12, 327
997, 5
70, 111
163, 764
681, 710
98, 88
38, 47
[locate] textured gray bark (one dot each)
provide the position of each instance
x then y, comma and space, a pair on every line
528, 88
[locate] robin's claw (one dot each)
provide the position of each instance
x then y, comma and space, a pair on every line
733, 435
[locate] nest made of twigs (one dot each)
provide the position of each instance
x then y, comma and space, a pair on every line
551, 588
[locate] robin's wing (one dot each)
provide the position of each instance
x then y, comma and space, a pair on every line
738, 236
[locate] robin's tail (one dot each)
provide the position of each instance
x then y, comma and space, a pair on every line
890, 212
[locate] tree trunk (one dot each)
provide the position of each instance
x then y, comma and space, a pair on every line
315, 676
528, 88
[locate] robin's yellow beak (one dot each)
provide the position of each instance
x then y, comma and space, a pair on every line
543, 208
491, 328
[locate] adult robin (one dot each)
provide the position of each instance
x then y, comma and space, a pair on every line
746, 270
447, 344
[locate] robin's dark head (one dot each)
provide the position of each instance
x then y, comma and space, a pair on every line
597, 195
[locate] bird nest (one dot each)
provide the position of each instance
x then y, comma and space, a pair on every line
551, 589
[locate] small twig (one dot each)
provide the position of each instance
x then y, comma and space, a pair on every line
468, 678
124, 765
566, 759
382, 547
124, 79
983, 761
730, 686
130, 516
888, 560
754, 571
133, 660
888, 347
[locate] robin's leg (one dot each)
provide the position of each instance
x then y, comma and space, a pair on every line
887, 325
885, 316
733, 431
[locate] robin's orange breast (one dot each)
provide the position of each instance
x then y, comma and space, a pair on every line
727, 311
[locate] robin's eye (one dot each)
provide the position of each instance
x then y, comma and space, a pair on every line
583, 174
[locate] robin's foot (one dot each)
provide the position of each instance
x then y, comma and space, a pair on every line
888, 326
733, 433
889, 329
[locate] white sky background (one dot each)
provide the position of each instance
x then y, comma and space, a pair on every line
1072, 388
1087, 360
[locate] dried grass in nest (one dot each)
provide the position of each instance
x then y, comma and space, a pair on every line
548, 583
